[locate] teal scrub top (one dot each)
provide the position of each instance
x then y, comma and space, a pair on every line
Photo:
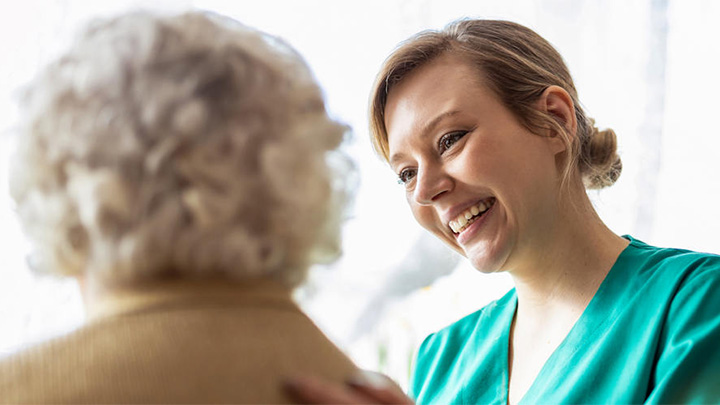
650, 334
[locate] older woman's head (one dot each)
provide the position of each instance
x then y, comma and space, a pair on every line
185, 145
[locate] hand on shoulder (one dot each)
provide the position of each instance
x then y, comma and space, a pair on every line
365, 387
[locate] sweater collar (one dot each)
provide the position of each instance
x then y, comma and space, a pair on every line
103, 301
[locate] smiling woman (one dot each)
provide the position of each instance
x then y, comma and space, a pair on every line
471, 156
482, 124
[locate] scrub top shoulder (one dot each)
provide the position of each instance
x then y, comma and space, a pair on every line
650, 334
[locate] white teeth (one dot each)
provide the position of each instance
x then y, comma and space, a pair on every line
466, 217
455, 227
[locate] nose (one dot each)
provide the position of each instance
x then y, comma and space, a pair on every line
431, 184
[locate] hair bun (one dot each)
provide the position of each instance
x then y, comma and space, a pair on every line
600, 164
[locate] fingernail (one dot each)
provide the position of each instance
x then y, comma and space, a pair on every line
369, 379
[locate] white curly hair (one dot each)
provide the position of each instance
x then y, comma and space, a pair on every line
184, 145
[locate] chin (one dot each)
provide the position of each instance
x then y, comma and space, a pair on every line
488, 260
486, 268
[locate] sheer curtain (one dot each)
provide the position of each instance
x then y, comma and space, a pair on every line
645, 68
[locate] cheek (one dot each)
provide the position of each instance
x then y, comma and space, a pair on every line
425, 216
480, 159
503, 165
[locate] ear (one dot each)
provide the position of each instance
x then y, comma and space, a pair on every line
558, 103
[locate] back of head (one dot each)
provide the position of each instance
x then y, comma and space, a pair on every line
185, 145
518, 65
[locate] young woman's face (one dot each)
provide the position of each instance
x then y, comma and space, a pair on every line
474, 176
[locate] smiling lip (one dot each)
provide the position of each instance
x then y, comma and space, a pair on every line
475, 227
470, 214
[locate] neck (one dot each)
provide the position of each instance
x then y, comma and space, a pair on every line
104, 299
560, 276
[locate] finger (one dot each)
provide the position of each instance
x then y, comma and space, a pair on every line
311, 390
379, 387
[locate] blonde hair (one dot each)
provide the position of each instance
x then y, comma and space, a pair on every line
186, 145
518, 65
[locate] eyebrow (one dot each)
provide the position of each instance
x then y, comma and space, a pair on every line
426, 129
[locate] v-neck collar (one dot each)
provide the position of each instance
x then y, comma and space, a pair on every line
589, 323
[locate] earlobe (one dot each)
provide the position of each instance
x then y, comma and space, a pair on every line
558, 103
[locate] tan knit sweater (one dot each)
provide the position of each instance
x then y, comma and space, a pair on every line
182, 342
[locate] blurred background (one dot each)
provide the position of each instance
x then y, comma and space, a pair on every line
646, 68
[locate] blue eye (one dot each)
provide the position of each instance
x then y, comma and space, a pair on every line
448, 140
405, 176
